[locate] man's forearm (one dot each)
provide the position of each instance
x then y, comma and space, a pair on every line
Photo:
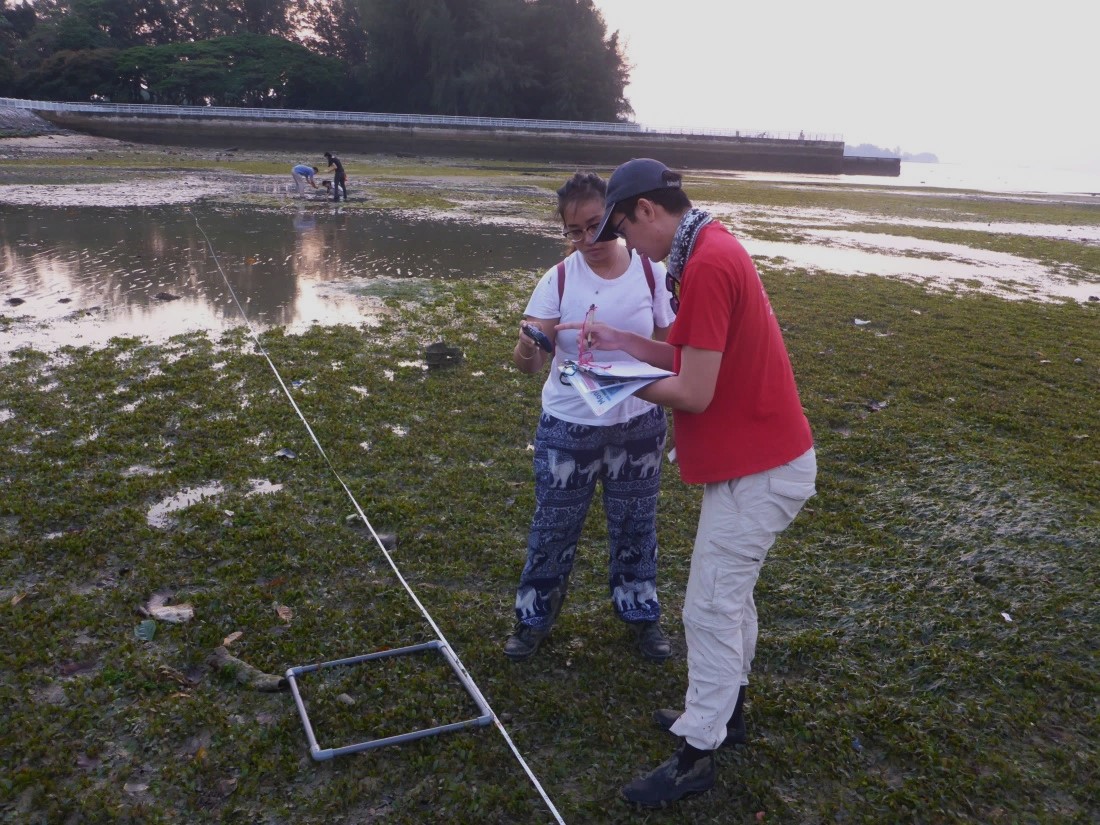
693, 388
654, 352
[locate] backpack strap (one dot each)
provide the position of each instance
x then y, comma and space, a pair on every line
561, 283
647, 265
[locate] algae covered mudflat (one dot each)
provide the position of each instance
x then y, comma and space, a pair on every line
927, 653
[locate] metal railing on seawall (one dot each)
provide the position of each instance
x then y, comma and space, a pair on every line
383, 119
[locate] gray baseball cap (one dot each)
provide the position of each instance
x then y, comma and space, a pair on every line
635, 177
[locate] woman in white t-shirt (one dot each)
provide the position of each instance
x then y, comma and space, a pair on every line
574, 448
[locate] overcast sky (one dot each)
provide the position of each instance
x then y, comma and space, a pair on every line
968, 80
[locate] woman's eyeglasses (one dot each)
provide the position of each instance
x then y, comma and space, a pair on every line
578, 235
673, 286
589, 232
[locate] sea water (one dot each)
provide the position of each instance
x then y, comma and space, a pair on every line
1081, 181
999, 178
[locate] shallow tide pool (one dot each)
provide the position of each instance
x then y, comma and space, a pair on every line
81, 275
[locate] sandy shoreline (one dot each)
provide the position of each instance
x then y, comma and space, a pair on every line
113, 185
60, 143
178, 188
163, 175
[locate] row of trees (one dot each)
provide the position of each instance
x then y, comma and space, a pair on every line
500, 58
237, 70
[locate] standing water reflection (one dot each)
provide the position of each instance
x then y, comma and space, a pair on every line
84, 275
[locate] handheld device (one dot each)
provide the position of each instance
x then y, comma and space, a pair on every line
538, 336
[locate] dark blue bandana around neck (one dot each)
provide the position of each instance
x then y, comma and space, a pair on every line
684, 241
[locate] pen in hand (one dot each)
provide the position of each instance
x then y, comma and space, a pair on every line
586, 332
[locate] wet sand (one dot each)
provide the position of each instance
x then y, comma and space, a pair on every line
66, 169
147, 185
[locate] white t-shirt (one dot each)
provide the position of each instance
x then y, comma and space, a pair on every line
624, 302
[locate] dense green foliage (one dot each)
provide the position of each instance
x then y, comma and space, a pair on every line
493, 57
247, 70
498, 58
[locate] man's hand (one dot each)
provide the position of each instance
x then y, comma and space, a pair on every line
604, 337
598, 334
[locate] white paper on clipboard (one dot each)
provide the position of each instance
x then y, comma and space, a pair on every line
602, 392
626, 369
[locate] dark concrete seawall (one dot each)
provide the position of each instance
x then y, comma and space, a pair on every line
23, 123
683, 151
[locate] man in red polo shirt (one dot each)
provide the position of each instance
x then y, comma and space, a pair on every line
740, 431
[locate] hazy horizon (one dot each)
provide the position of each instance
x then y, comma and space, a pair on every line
974, 82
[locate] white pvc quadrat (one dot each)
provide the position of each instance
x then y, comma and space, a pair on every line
320, 754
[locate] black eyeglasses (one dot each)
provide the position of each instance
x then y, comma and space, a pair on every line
673, 286
618, 230
578, 235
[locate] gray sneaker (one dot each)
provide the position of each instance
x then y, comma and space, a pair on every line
524, 641
651, 642
675, 779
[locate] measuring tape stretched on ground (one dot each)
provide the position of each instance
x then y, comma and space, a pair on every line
359, 511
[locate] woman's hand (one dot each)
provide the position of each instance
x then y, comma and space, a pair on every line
525, 347
527, 355
601, 336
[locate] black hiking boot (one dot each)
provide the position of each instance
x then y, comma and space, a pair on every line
524, 641
690, 771
651, 641
736, 734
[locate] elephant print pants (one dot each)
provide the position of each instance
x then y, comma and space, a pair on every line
569, 460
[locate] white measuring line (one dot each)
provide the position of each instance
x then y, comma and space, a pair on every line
378, 541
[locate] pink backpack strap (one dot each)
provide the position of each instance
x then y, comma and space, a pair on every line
561, 283
647, 265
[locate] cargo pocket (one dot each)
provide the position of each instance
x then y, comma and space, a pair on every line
788, 496
798, 490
